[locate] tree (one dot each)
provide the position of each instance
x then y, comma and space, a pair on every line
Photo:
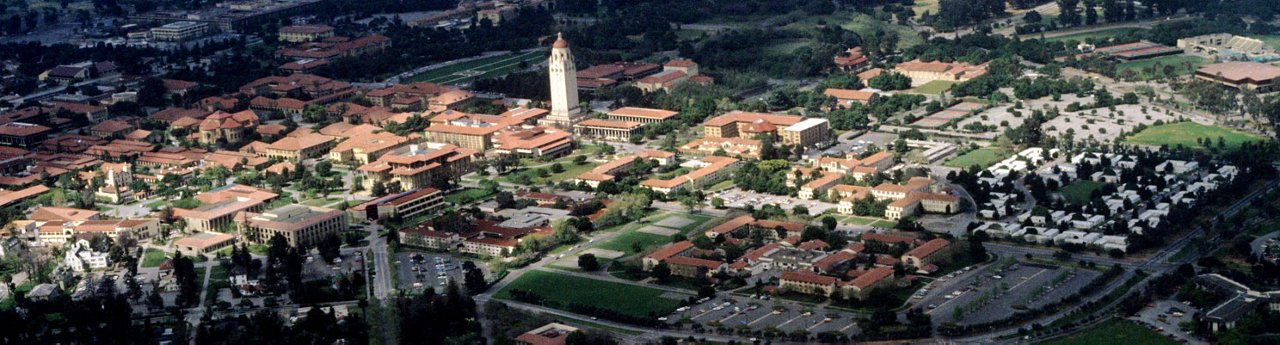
829, 223
473, 278
588, 262
890, 81
661, 272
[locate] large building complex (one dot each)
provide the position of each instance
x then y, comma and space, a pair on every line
300, 225
924, 72
1254, 76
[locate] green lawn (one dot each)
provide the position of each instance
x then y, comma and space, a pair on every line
627, 240
1186, 133
861, 23
1182, 65
922, 6
982, 157
1117, 331
722, 185
466, 196
563, 291
1079, 192
1095, 35
570, 172
153, 257
1271, 41
469, 71
784, 46
936, 87
321, 202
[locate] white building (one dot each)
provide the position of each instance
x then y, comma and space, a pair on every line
80, 256
565, 111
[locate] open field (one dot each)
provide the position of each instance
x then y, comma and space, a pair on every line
628, 240
562, 291
1078, 192
863, 24
484, 68
467, 195
1186, 133
936, 87
982, 157
153, 257
1182, 65
1095, 35
570, 171
1272, 41
859, 220
922, 6
1114, 332
783, 47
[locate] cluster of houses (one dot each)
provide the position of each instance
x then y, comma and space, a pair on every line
808, 267
1184, 182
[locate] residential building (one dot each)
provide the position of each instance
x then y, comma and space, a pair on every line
81, 257
710, 170
21, 134
56, 233
296, 148
606, 172
809, 133
926, 254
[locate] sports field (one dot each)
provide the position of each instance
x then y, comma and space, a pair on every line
1116, 331
982, 157
563, 291
484, 68
1186, 133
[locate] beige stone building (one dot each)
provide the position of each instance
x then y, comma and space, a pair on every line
300, 225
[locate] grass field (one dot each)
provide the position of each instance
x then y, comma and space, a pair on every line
477, 69
627, 241
936, 87
1095, 35
466, 196
1186, 133
982, 157
921, 6
561, 291
153, 257
783, 47
570, 171
321, 201
1116, 331
863, 24
1078, 192
858, 220
1182, 64
1271, 41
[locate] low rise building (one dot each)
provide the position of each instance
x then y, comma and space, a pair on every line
608, 130
415, 167
710, 171
219, 207
300, 225
204, 243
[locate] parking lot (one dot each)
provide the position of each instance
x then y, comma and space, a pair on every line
738, 198
857, 144
1006, 291
1166, 317
419, 271
736, 312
